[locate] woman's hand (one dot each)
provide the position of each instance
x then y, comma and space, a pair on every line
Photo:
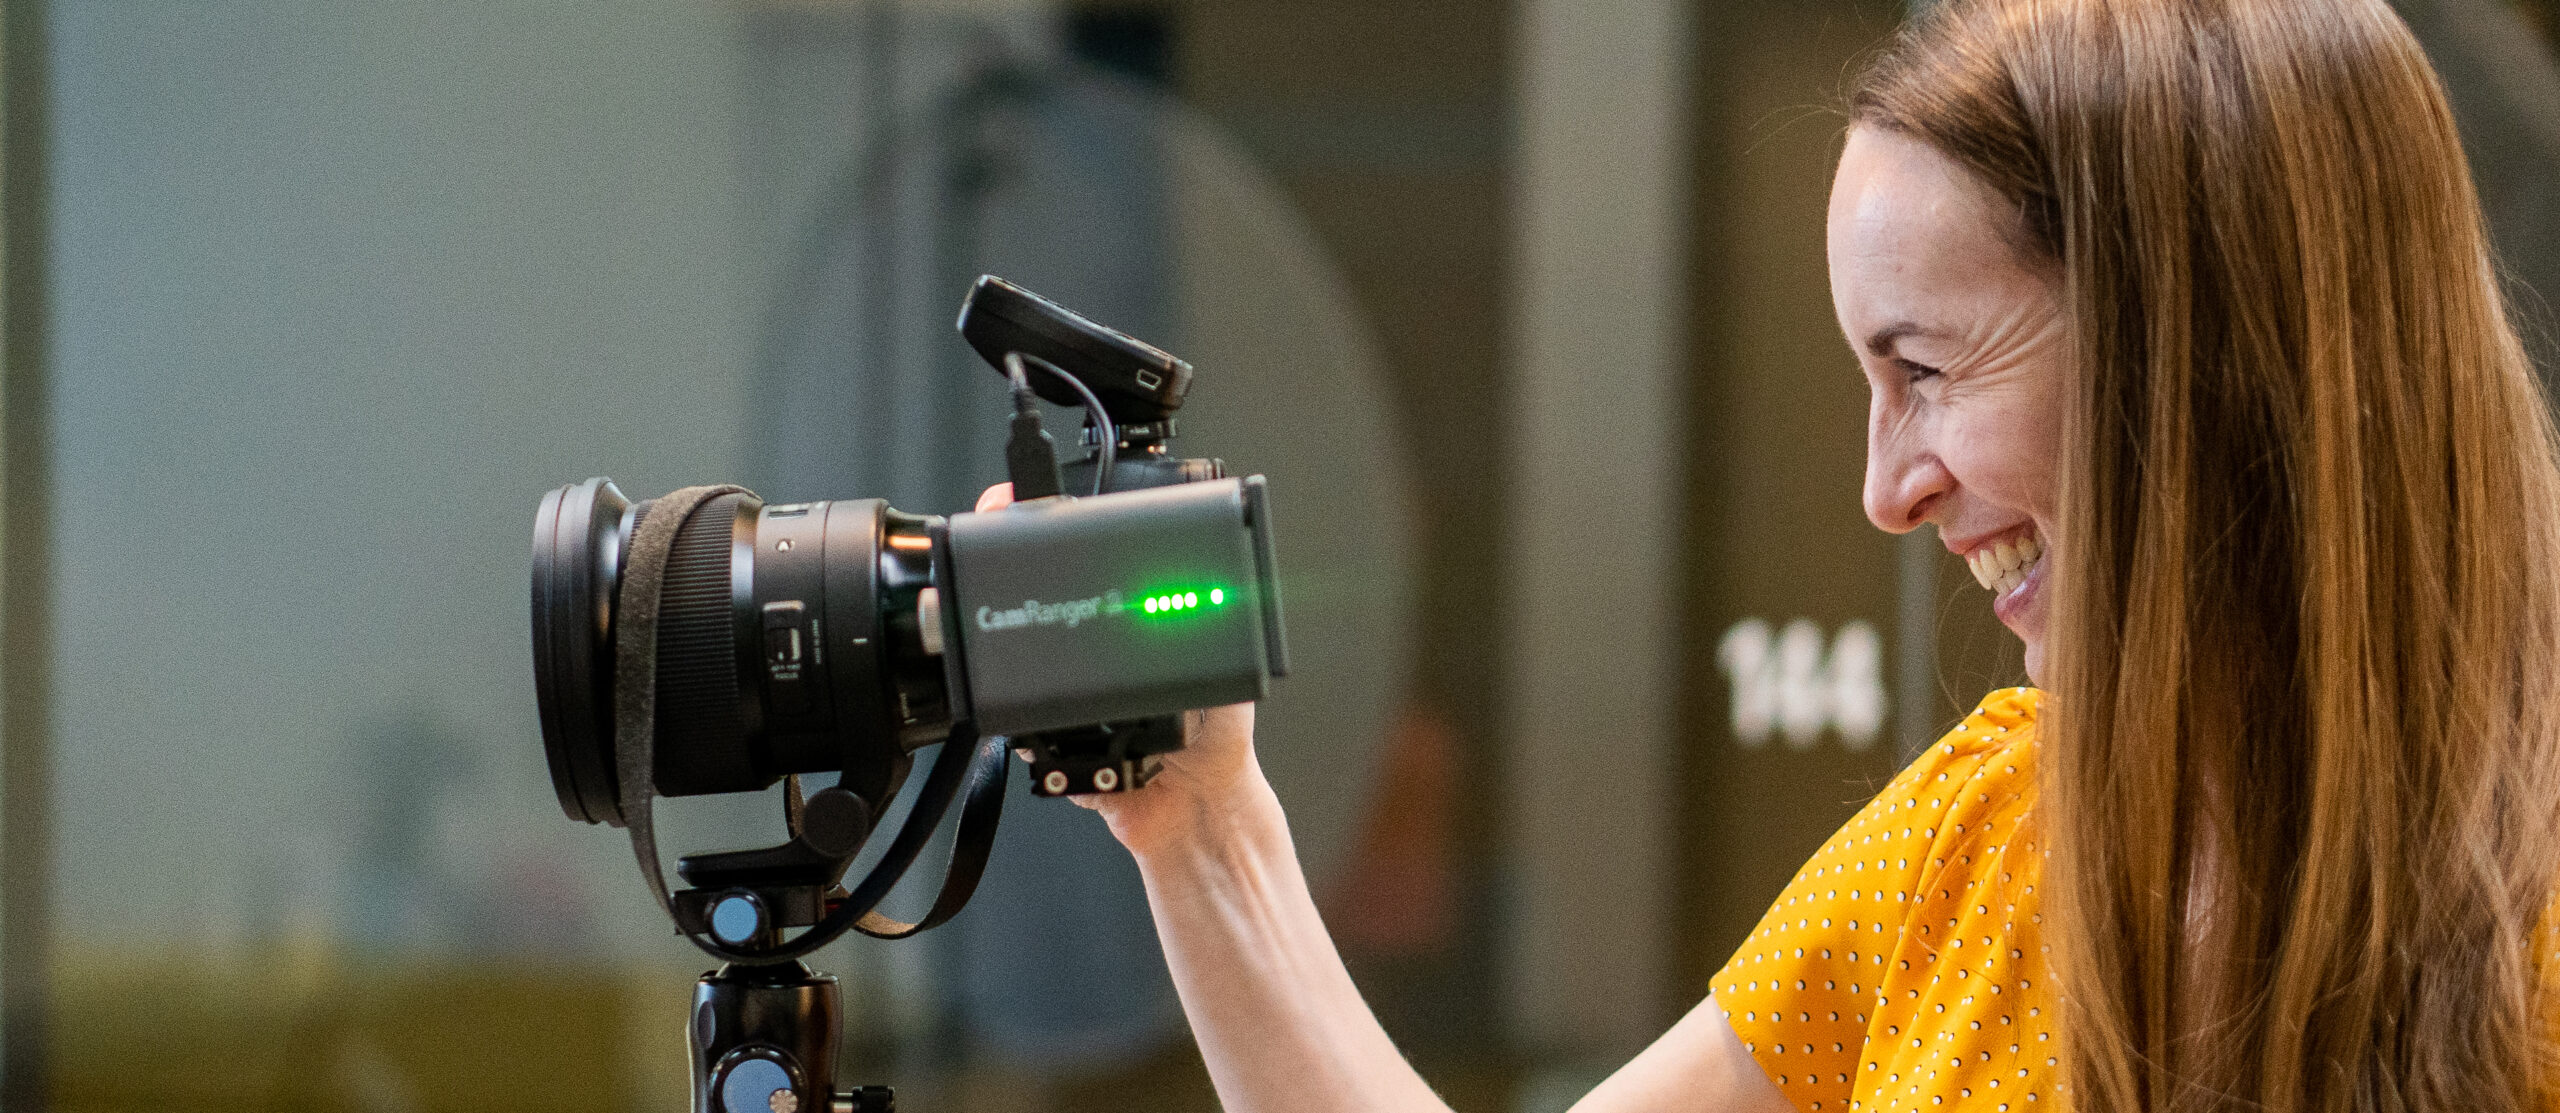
1204, 783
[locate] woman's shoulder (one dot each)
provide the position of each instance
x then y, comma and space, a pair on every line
1992, 750
1875, 951
1950, 812
1976, 779
2003, 719
1948, 816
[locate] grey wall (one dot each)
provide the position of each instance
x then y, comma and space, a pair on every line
343, 288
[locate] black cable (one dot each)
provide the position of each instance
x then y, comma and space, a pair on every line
1100, 417
1030, 457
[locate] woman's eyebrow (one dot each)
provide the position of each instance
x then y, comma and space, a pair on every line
1880, 342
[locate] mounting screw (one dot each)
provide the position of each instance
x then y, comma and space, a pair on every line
1104, 780
1055, 782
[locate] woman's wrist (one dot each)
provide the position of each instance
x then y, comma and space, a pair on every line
1202, 823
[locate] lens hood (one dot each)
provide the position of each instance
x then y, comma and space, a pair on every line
577, 555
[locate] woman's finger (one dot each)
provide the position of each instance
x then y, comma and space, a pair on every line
996, 498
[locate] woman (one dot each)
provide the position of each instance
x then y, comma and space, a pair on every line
2180, 326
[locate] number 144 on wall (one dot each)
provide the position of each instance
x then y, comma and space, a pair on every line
1788, 683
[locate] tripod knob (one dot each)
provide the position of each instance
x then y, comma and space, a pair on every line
758, 1083
739, 918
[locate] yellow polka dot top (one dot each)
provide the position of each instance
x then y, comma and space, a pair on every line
1904, 967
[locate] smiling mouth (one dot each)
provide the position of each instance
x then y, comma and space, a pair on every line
2001, 568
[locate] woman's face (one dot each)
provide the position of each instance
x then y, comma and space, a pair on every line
1962, 337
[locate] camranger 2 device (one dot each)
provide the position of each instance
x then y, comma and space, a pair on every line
707, 642
1074, 612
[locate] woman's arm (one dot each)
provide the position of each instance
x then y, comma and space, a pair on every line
1278, 1021
1700, 1064
1277, 1017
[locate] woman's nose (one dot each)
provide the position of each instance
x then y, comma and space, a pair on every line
1905, 480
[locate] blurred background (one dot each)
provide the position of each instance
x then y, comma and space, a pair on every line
1520, 303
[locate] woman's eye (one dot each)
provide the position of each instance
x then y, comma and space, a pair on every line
1916, 371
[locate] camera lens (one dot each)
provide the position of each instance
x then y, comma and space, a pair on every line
787, 642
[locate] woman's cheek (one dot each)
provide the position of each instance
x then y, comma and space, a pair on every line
2010, 459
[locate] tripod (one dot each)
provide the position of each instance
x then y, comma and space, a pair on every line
763, 1040
763, 1030
762, 1036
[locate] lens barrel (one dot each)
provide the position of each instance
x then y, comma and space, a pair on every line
787, 642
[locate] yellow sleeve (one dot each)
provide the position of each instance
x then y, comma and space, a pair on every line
1803, 991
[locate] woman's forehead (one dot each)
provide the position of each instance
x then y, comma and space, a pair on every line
1898, 197
1910, 230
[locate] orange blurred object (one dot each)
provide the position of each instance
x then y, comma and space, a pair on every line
1397, 895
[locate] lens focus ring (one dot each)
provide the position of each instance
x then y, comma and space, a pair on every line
700, 739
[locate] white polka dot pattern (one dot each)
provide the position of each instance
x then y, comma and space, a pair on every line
1904, 967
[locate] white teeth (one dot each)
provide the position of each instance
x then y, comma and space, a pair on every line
2001, 568
1985, 564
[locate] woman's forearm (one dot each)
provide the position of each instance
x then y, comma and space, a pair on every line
1277, 1018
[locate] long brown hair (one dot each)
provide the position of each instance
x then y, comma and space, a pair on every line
2301, 755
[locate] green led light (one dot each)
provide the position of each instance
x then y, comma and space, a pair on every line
1188, 599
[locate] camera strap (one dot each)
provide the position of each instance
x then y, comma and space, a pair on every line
635, 669
981, 805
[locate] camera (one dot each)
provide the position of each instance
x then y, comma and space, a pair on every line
706, 641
